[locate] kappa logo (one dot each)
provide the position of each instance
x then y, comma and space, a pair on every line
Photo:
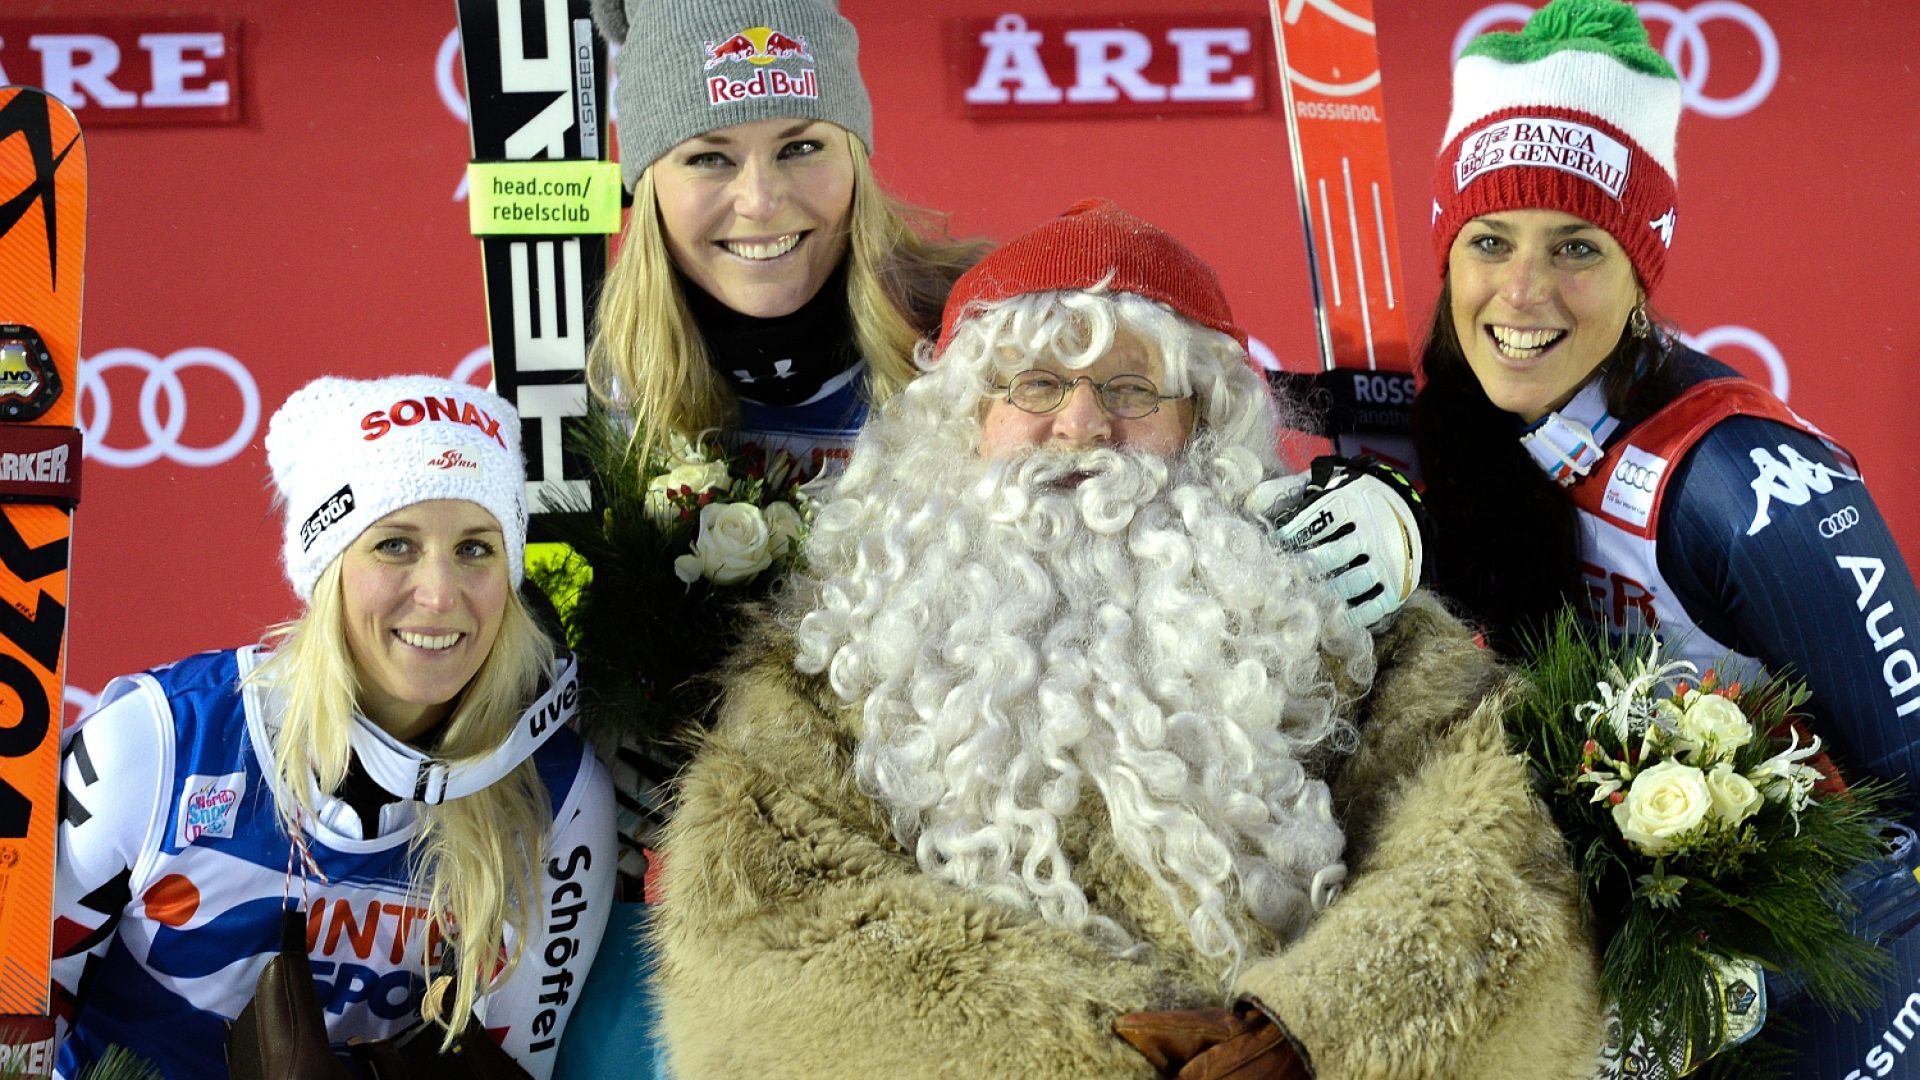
337, 506
1664, 226
1793, 481
450, 410
209, 806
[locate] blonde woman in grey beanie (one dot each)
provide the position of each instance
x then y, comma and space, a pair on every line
765, 284
378, 818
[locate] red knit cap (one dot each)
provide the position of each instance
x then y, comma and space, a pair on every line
1094, 240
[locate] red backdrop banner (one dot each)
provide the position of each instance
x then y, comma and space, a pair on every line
120, 70
1063, 67
326, 230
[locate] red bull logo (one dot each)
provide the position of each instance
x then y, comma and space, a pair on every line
758, 45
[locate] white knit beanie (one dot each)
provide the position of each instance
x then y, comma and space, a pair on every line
347, 452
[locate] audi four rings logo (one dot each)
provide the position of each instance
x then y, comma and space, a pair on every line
446, 64
1638, 477
162, 427
1839, 521
1685, 47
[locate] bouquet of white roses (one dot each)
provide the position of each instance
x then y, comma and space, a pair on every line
651, 594
1691, 811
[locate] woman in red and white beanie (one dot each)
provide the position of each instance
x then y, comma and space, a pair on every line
1575, 450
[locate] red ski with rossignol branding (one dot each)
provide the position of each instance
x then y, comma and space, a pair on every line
43, 218
1330, 79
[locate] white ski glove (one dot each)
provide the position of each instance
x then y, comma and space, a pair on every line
1358, 523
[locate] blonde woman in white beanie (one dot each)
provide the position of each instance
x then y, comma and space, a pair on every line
391, 772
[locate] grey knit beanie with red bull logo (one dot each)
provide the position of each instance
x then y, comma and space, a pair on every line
687, 67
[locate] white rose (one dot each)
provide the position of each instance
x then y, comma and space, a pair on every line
1734, 796
1715, 725
784, 526
1663, 804
731, 547
698, 475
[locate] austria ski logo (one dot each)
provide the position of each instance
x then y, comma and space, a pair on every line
759, 46
451, 460
208, 806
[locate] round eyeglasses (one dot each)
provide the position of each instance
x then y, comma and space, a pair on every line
1128, 397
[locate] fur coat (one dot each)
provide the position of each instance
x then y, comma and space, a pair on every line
797, 938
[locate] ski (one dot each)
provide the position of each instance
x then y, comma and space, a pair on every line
542, 199
1329, 60
43, 219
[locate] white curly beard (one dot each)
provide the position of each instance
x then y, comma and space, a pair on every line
1021, 632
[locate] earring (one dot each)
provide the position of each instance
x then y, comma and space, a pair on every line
1638, 322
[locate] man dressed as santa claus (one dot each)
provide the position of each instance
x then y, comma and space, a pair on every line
1051, 763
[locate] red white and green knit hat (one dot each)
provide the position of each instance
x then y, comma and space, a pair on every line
1577, 112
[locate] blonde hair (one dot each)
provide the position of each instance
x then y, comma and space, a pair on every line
478, 856
648, 358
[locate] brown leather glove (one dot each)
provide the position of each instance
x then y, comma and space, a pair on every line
1243, 1043
282, 1034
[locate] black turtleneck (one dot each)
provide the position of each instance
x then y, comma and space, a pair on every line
784, 360
358, 790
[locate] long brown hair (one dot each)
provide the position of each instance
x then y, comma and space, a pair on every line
1506, 543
